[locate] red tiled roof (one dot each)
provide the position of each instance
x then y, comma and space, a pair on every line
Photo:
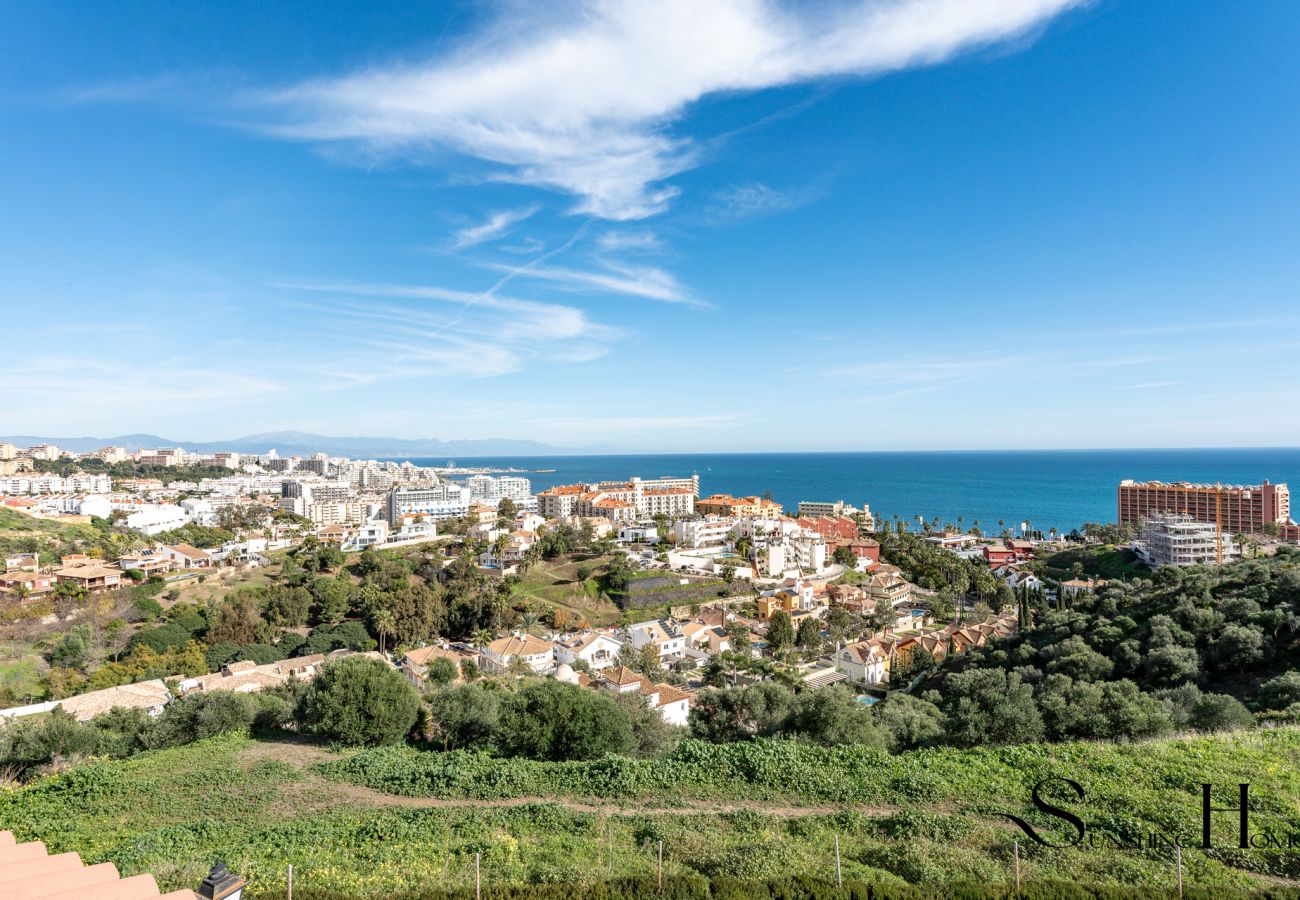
28, 872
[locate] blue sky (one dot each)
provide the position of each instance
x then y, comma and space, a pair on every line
742, 225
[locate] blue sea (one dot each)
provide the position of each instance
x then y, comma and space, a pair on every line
1061, 488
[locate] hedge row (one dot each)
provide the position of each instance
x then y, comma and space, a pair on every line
805, 888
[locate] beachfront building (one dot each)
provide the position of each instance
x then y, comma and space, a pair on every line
1234, 507
495, 489
619, 501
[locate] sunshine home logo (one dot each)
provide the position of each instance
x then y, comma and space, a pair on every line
1099, 838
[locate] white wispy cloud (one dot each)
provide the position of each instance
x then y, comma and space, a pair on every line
648, 282
498, 224
581, 98
642, 239
743, 201
478, 334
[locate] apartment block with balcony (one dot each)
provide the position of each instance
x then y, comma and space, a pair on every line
1179, 540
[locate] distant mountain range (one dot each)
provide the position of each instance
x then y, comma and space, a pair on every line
291, 443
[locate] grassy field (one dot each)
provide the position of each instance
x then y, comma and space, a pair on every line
747, 811
1097, 562
20, 670
555, 583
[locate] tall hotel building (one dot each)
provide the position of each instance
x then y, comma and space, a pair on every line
1239, 508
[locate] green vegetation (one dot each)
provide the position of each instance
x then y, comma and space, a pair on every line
128, 469
21, 533
1093, 561
951, 576
359, 700
572, 586
1197, 648
757, 810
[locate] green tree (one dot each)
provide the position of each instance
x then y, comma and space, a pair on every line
287, 607
780, 631
383, 621
909, 722
725, 715
1281, 692
1220, 712
830, 716
465, 717
809, 634
359, 700
442, 671
646, 662
332, 596
844, 557
202, 715
238, 620
551, 720
990, 706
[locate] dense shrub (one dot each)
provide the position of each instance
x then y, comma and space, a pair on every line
202, 715
556, 721
359, 700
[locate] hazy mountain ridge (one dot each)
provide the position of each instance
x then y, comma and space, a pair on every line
289, 443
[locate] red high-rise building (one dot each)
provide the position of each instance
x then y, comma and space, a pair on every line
1237, 508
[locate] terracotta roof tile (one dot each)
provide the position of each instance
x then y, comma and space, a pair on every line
27, 872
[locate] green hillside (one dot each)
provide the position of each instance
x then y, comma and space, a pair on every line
751, 811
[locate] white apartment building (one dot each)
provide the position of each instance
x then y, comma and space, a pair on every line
77, 483
157, 518
710, 531
495, 489
1179, 540
805, 552
813, 509
671, 482
47, 452
443, 501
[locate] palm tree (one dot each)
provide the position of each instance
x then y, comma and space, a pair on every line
482, 637
384, 623
519, 667
528, 620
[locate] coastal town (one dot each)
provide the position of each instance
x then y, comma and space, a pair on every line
650, 587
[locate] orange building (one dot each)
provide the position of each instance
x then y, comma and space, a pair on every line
1240, 508
738, 507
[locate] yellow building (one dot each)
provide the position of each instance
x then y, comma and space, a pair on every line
739, 507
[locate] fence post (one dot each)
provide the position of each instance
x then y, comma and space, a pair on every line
839, 877
1016, 850
1178, 862
478, 883
661, 866
290, 881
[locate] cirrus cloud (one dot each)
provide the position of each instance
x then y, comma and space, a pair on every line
582, 100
